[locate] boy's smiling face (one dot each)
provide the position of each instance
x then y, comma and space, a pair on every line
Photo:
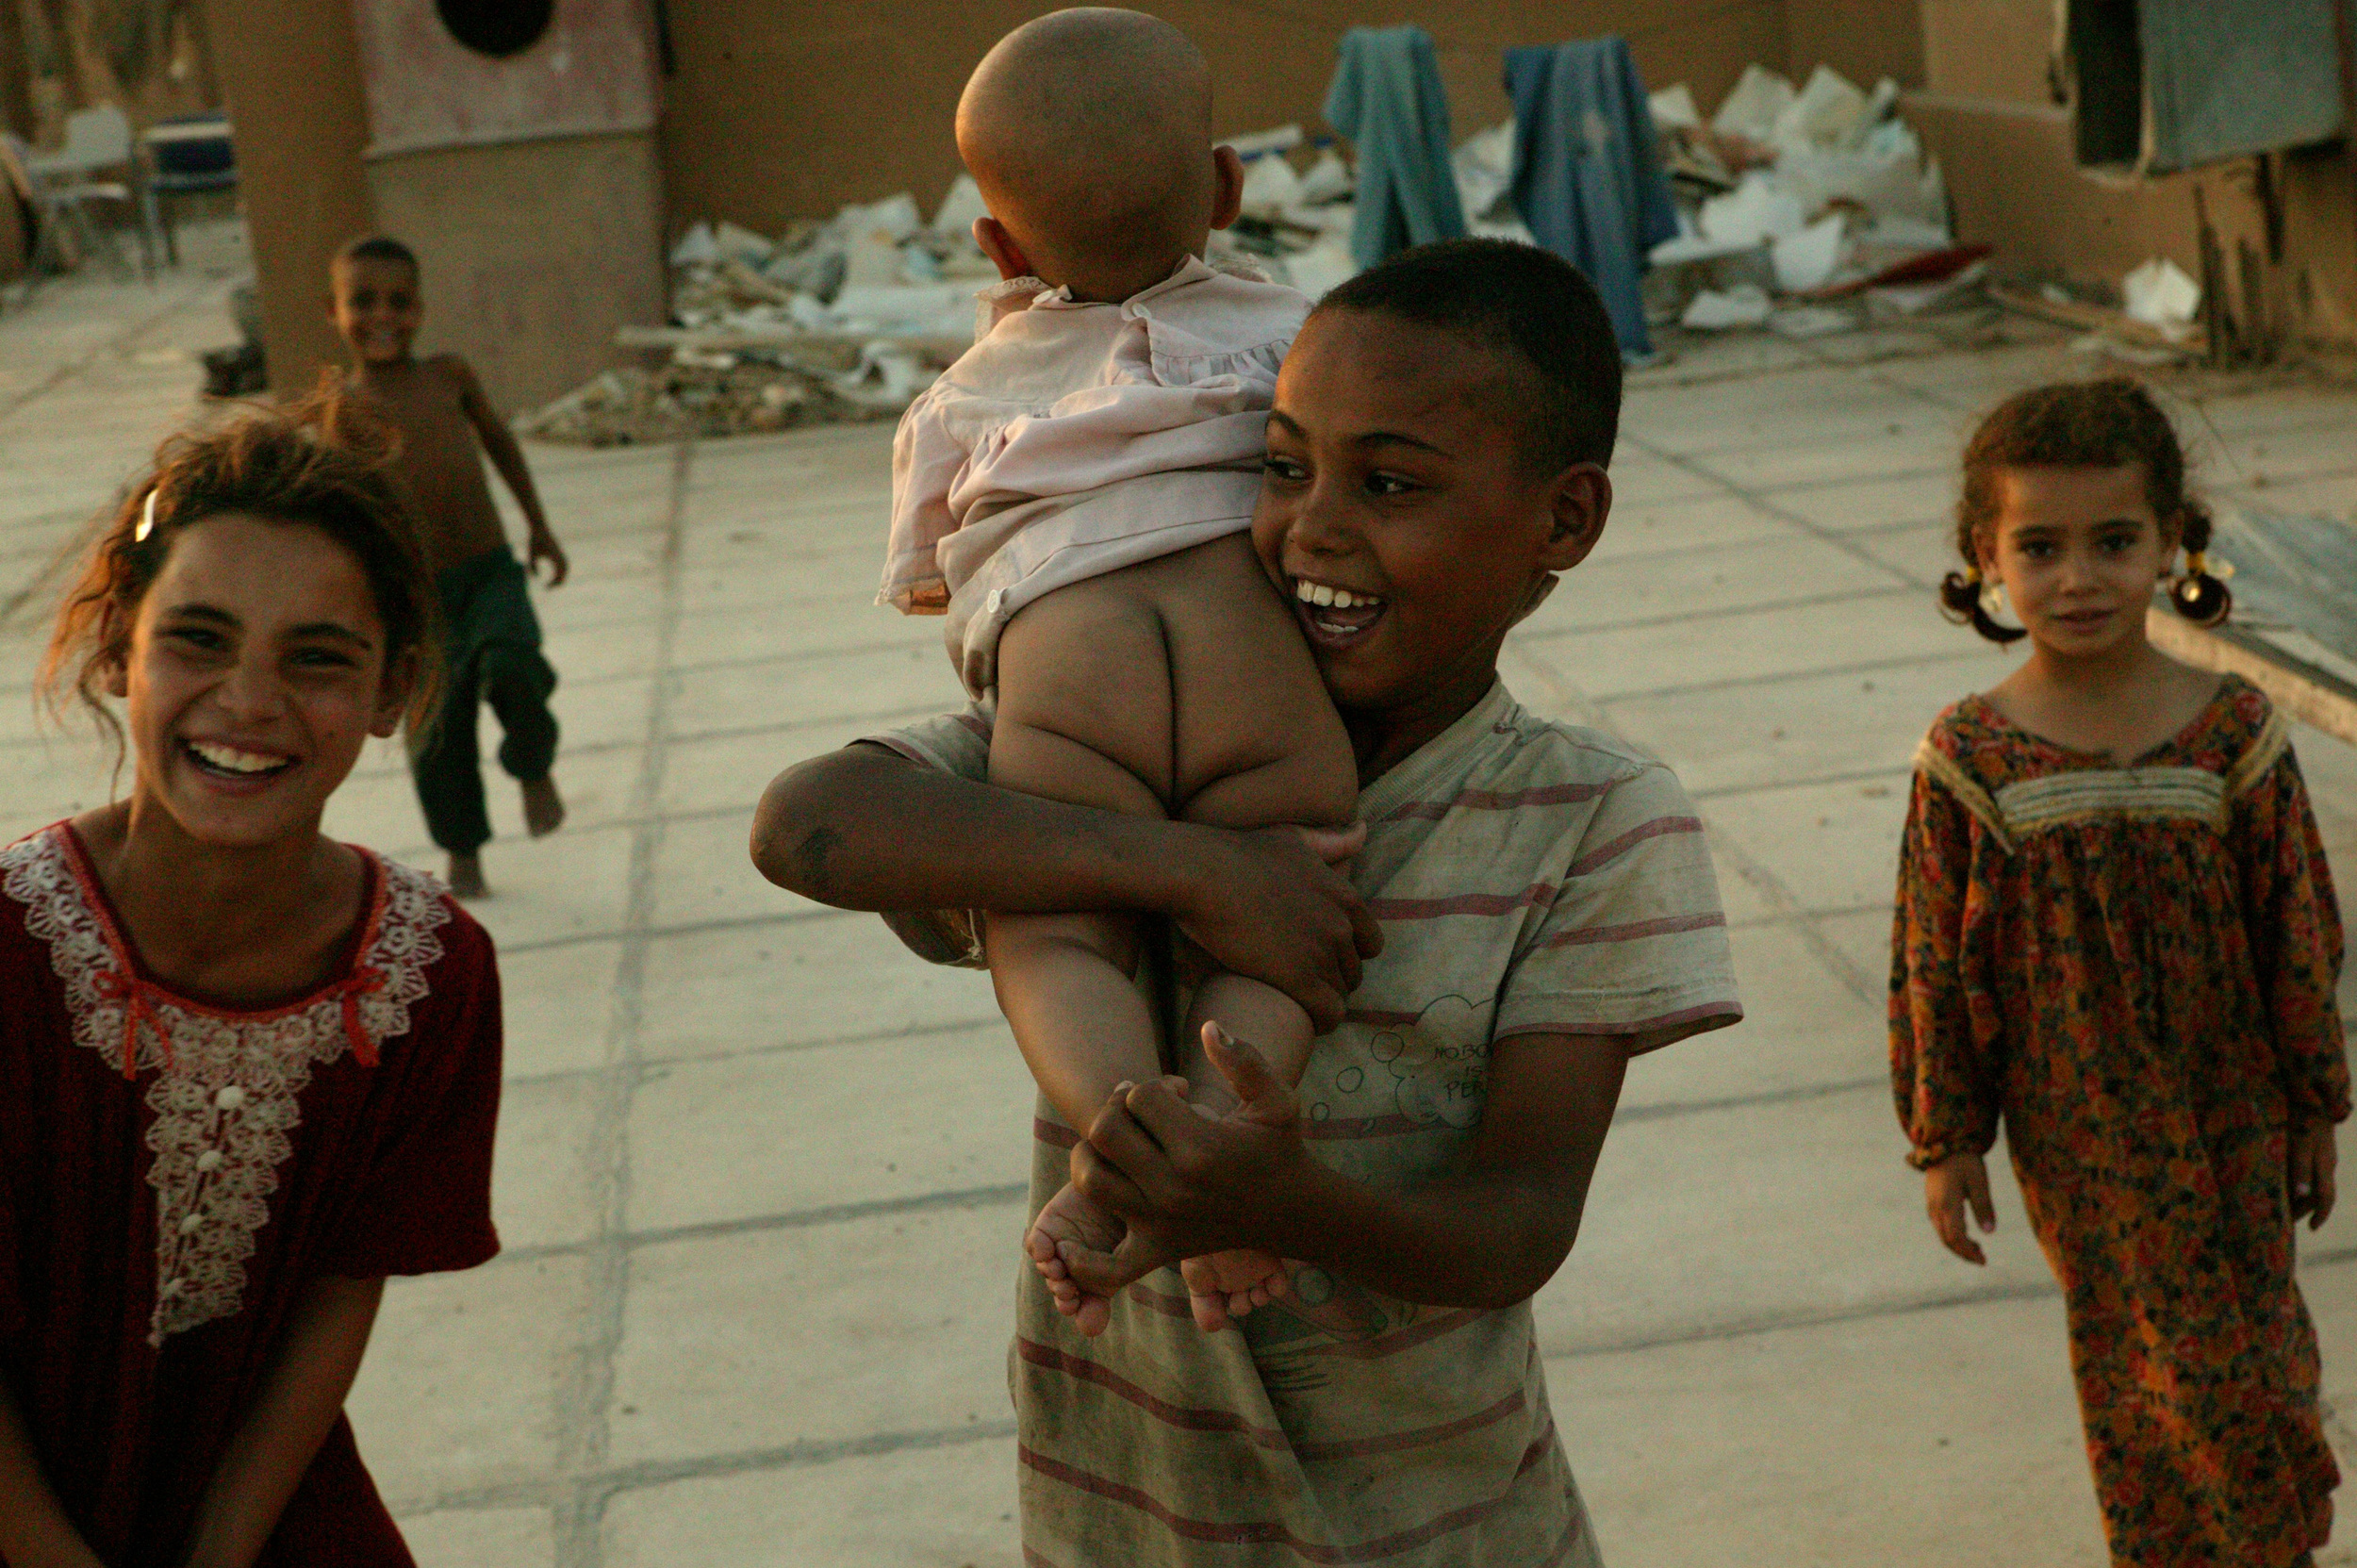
1402, 517
376, 307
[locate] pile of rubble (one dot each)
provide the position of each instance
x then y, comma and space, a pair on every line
830, 324
1802, 210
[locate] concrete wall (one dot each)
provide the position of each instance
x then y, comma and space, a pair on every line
784, 109
532, 252
1864, 39
291, 72
1991, 118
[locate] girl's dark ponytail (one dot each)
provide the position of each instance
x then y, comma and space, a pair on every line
2199, 596
1962, 600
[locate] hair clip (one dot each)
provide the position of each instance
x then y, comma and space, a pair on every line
147, 518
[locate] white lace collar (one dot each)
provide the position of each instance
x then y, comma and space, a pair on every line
228, 1081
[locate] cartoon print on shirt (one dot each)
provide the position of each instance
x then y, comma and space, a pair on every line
1439, 1066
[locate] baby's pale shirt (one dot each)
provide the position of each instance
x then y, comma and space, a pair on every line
1076, 439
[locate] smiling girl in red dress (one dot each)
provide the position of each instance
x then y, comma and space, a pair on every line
245, 1072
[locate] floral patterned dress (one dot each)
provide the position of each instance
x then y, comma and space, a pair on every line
2134, 968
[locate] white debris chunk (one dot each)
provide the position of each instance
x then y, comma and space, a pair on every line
695, 247
1746, 304
1322, 266
1754, 212
1759, 97
2161, 296
1807, 260
1329, 180
1484, 167
1673, 108
741, 244
1830, 111
1270, 185
959, 209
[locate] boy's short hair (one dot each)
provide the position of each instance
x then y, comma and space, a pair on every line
376, 247
1516, 297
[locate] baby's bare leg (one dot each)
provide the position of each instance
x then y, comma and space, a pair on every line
1083, 716
1259, 743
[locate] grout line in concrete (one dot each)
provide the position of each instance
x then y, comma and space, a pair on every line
1834, 538
792, 1219
1668, 1110
1933, 1301
661, 1065
1815, 781
1688, 617
584, 1434
1738, 683
608, 1484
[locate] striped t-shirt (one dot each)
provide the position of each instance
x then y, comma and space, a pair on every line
1531, 878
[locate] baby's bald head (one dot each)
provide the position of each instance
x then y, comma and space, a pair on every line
1089, 132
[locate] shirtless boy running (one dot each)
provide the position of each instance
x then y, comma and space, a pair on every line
1075, 494
490, 639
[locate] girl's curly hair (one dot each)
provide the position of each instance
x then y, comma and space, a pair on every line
2103, 423
320, 463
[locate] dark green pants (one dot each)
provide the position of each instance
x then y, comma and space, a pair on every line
491, 653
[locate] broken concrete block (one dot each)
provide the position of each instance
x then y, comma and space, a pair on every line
1674, 109
2161, 296
1806, 260
1270, 185
1830, 111
1746, 304
741, 244
1755, 211
1752, 107
1329, 180
696, 247
955, 217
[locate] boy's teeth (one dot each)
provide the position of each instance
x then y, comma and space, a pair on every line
232, 758
1325, 596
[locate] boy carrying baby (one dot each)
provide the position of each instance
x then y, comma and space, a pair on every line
1533, 905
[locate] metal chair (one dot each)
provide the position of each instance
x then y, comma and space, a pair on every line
96, 139
187, 156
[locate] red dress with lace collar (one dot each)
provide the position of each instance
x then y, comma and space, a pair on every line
173, 1173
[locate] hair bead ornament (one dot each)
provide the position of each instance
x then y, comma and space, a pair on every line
2200, 595
147, 517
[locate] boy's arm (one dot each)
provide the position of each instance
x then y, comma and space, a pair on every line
34, 1529
302, 1395
1486, 1234
507, 455
866, 828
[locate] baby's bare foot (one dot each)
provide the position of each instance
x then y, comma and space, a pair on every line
544, 809
1223, 1286
1071, 1228
466, 877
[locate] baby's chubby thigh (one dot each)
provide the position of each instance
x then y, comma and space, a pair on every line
1256, 737
1084, 699
1179, 686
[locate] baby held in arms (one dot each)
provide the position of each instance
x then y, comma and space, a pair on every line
1074, 494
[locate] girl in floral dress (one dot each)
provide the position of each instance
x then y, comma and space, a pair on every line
2116, 932
245, 1072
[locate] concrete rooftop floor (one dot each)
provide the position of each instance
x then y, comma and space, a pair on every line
760, 1173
